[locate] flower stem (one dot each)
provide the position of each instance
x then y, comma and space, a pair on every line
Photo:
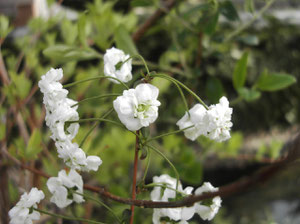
166, 134
96, 97
170, 163
95, 78
95, 119
101, 203
94, 126
147, 166
135, 165
67, 217
183, 86
165, 186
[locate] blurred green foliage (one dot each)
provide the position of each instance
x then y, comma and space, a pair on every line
190, 39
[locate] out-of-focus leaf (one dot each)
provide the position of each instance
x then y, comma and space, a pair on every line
34, 145
211, 26
274, 82
4, 27
141, 3
22, 84
249, 94
81, 29
124, 41
228, 10
214, 89
240, 72
69, 31
251, 40
249, 6
64, 53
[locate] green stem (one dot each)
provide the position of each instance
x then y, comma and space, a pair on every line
183, 86
147, 166
94, 126
96, 97
165, 186
101, 203
67, 217
170, 163
95, 78
246, 25
166, 134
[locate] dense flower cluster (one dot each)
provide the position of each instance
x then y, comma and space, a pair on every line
117, 65
59, 110
167, 190
214, 123
60, 188
22, 212
138, 107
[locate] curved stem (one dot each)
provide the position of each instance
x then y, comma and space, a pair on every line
67, 217
96, 97
101, 203
170, 163
179, 90
95, 119
166, 134
94, 126
183, 86
95, 78
147, 166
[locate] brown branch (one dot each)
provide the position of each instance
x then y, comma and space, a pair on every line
135, 165
152, 19
241, 185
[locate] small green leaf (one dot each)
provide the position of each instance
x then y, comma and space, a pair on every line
4, 27
249, 94
124, 41
211, 26
22, 84
66, 53
81, 29
274, 82
34, 145
249, 6
228, 10
240, 72
141, 3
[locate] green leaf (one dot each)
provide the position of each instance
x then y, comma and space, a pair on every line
249, 94
64, 53
141, 3
81, 29
22, 84
214, 89
211, 26
228, 10
124, 41
4, 27
249, 6
274, 82
240, 72
34, 145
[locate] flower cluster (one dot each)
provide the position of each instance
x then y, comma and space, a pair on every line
59, 110
214, 123
117, 65
65, 188
166, 190
23, 212
138, 107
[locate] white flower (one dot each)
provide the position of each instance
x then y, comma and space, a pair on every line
197, 118
75, 157
58, 107
138, 107
59, 187
214, 123
168, 192
207, 212
112, 59
219, 117
22, 212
